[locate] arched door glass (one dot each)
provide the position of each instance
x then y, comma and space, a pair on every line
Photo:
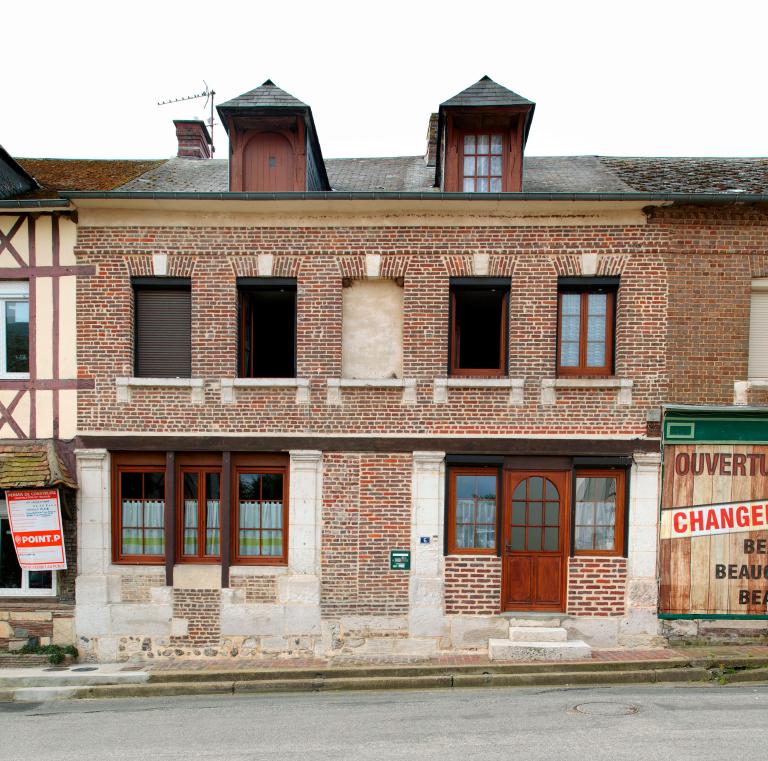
535, 516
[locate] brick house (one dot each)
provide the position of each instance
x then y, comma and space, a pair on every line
381, 407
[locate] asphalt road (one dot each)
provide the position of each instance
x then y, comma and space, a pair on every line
648, 723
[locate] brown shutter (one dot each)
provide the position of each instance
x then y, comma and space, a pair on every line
163, 333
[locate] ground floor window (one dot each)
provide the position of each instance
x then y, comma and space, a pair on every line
13, 580
138, 516
472, 517
599, 519
251, 498
261, 515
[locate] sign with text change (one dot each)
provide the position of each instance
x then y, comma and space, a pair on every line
714, 530
35, 518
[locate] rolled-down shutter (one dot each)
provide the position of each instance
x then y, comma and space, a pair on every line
758, 335
163, 333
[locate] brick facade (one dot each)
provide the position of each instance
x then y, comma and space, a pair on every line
366, 512
532, 257
472, 585
596, 586
137, 587
201, 608
256, 588
712, 257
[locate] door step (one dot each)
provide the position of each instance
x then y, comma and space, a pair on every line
537, 633
534, 642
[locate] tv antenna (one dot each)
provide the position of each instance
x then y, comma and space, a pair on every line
208, 94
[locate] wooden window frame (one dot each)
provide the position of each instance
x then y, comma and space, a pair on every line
453, 472
461, 134
245, 288
581, 370
621, 498
491, 372
263, 464
134, 463
201, 464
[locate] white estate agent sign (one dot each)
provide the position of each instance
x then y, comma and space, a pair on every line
35, 518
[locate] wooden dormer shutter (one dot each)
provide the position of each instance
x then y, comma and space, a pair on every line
163, 333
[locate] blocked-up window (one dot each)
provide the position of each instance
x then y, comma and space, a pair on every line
758, 329
372, 329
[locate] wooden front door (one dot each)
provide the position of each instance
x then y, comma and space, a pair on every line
534, 540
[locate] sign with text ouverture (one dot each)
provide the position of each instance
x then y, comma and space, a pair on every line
714, 522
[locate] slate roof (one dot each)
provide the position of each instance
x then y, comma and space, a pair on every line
267, 94
700, 175
541, 174
486, 92
33, 465
54, 175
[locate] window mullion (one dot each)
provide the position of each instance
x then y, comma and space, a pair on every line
583, 327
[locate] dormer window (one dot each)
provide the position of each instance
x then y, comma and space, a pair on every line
481, 138
482, 163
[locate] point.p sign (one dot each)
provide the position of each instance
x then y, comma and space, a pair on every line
35, 518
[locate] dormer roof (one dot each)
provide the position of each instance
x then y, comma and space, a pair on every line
266, 95
486, 92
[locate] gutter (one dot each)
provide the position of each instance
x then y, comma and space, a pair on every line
31, 203
683, 198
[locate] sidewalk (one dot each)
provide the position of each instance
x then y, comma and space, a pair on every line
716, 664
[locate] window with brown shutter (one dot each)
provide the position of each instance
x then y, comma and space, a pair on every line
163, 328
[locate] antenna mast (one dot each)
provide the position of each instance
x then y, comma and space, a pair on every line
209, 95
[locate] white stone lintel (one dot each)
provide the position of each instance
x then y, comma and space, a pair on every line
516, 387
623, 386
91, 457
336, 384
311, 456
126, 385
647, 460
230, 386
742, 388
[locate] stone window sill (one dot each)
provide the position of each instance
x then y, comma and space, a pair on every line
741, 389
125, 387
336, 384
623, 386
516, 386
230, 387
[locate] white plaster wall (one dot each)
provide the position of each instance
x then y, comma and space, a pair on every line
372, 329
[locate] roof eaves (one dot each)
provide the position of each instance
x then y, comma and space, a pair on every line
711, 198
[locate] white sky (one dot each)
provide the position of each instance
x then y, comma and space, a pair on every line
81, 79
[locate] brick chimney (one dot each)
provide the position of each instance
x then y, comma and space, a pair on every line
430, 157
194, 139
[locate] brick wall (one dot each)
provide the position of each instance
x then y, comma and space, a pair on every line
366, 513
137, 587
472, 584
256, 588
712, 255
596, 586
319, 257
65, 580
202, 610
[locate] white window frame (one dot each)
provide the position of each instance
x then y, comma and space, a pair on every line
24, 590
11, 290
